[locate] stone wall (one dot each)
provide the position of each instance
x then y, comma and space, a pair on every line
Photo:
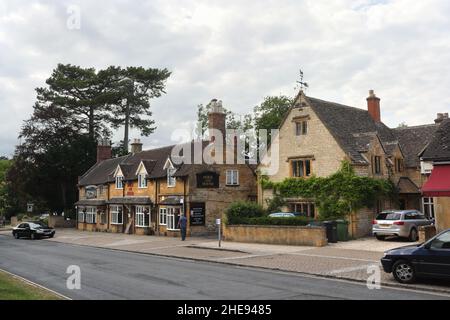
60, 222
281, 235
442, 211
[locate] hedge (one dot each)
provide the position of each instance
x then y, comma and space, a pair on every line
266, 221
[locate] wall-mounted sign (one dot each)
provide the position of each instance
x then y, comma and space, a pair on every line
30, 207
207, 180
197, 216
91, 192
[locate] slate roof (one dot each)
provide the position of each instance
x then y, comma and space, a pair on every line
413, 140
405, 185
351, 127
101, 173
438, 148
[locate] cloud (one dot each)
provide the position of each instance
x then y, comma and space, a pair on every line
238, 52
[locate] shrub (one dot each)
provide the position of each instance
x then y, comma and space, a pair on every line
243, 209
267, 221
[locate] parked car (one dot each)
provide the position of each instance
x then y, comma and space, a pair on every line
282, 215
33, 230
400, 223
44, 216
431, 259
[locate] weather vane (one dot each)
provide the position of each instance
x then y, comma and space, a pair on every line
302, 84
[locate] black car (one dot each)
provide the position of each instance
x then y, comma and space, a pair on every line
431, 259
33, 230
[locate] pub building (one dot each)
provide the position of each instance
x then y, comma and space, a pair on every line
146, 192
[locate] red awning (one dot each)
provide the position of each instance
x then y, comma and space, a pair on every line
438, 185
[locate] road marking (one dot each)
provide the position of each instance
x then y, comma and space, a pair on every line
35, 284
333, 257
349, 269
248, 256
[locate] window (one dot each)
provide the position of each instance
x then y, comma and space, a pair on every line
163, 216
301, 168
171, 180
301, 128
428, 207
173, 216
376, 165
116, 215
142, 181
306, 209
232, 178
442, 242
91, 215
399, 165
80, 215
119, 182
103, 217
142, 216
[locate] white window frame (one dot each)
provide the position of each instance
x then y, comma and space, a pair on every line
81, 215
232, 177
171, 218
140, 216
171, 180
163, 216
119, 182
91, 215
142, 181
115, 210
429, 202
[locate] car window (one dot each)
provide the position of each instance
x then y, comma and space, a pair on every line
442, 241
22, 225
381, 216
25, 225
410, 216
392, 216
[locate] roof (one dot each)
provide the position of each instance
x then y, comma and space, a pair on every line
438, 148
130, 200
353, 128
101, 172
90, 203
413, 140
405, 185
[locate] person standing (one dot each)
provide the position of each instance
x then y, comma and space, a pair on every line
182, 225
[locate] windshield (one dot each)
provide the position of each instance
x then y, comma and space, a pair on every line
389, 216
38, 224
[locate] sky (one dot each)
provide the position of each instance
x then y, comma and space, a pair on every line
235, 51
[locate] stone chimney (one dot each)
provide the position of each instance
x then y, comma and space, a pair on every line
441, 117
136, 146
373, 106
104, 150
216, 119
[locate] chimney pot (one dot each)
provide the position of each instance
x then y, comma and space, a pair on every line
216, 119
136, 146
440, 117
373, 106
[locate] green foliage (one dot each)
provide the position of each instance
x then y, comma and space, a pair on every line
337, 195
275, 204
244, 209
270, 113
268, 221
4, 167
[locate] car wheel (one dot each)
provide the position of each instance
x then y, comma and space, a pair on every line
413, 235
404, 272
33, 236
16, 235
381, 238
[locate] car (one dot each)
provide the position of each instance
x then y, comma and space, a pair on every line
430, 259
282, 215
400, 223
33, 230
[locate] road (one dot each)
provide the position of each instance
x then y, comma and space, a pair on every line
111, 274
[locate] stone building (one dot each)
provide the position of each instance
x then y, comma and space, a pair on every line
436, 165
316, 136
145, 192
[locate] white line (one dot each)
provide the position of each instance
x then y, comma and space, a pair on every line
349, 269
332, 257
35, 284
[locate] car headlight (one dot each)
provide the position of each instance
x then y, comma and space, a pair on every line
39, 231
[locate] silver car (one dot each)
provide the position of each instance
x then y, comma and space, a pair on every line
400, 223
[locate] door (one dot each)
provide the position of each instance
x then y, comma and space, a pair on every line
436, 258
26, 231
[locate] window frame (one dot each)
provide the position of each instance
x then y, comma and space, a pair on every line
428, 202
91, 215
376, 165
140, 220
232, 177
142, 181
301, 171
163, 214
82, 215
301, 128
171, 178
399, 165
172, 218
119, 183
116, 213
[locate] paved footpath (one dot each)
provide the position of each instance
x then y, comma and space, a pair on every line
345, 260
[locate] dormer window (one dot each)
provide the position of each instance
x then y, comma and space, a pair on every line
142, 180
171, 180
301, 125
399, 165
119, 182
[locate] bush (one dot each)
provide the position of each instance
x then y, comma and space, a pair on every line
268, 221
243, 209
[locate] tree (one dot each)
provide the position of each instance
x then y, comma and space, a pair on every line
270, 113
128, 101
5, 164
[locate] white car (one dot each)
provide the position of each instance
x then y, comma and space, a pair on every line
282, 215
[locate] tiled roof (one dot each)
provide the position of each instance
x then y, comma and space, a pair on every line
439, 147
101, 173
413, 140
405, 185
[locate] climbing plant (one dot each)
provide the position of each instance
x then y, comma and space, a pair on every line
337, 195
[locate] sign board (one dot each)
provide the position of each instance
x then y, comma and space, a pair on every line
197, 217
91, 192
218, 222
208, 180
30, 207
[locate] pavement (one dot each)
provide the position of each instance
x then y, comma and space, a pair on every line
344, 260
118, 274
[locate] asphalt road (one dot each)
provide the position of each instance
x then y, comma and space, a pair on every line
110, 274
